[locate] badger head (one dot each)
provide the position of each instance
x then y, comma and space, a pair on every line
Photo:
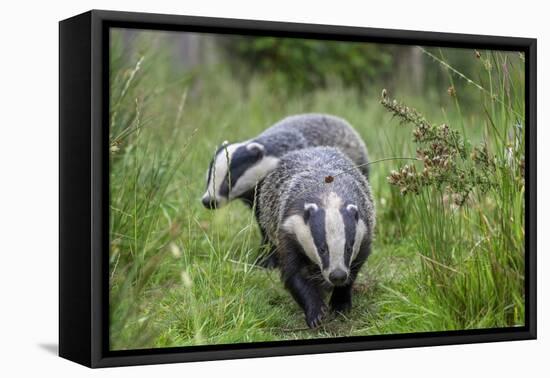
235, 170
330, 234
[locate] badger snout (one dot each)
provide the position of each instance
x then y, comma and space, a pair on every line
338, 277
209, 202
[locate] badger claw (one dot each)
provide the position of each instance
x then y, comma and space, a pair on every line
315, 317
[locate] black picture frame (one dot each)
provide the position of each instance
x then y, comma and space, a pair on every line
84, 188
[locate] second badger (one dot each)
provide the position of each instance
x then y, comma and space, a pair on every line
317, 210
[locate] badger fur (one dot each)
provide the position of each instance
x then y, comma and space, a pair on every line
250, 161
317, 210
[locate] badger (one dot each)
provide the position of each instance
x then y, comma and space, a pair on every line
237, 168
317, 210
250, 161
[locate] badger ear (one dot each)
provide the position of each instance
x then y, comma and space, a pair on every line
309, 208
256, 148
353, 210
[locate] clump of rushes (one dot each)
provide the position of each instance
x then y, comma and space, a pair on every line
448, 161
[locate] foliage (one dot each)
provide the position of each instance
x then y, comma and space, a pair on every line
449, 162
467, 201
300, 65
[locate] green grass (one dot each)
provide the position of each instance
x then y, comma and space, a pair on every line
182, 275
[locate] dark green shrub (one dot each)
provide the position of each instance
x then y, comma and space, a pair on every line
302, 64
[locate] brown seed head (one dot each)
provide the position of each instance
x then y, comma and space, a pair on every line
451, 91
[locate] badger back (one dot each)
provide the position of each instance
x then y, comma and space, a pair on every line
237, 168
326, 130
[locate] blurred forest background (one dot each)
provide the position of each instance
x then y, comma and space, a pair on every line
293, 66
449, 246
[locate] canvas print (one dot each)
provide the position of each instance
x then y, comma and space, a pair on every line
272, 189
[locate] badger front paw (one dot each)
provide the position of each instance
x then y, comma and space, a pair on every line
340, 306
315, 316
340, 301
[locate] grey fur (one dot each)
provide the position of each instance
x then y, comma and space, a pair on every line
300, 177
290, 134
312, 130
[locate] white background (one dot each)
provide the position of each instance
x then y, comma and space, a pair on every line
29, 186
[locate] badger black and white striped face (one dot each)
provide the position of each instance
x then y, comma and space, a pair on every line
235, 169
330, 234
